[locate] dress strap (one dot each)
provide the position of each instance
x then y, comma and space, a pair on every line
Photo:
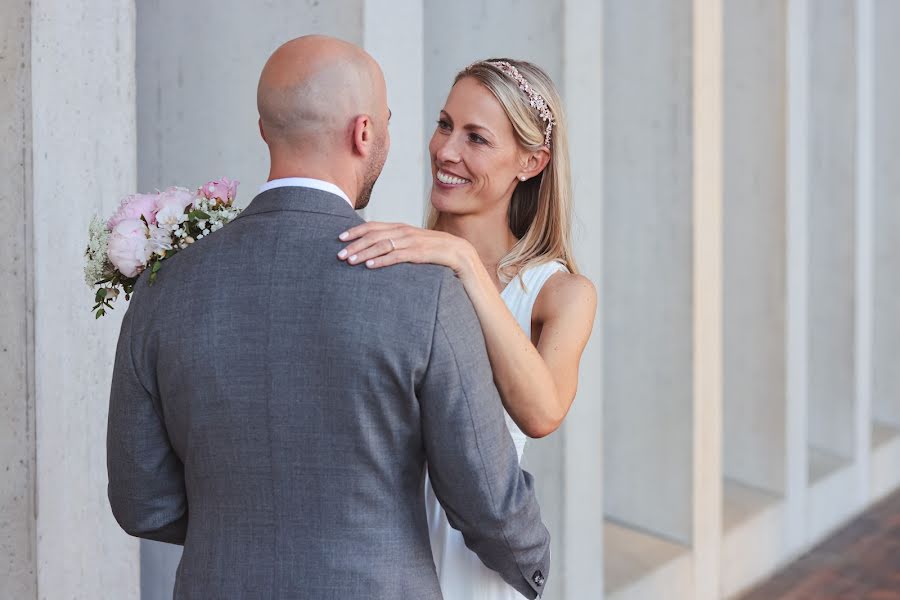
522, 292
535, 277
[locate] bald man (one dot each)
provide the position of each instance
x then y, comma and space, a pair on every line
273, 411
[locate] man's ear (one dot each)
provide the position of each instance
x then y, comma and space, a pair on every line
262, 131
363, 133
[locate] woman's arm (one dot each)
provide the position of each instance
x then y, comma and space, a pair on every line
536, 383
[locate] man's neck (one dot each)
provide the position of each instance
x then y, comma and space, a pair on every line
311, 171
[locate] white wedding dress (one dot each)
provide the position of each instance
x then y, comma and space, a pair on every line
461, 573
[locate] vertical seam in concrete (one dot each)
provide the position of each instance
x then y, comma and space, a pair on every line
28, 296
863, 306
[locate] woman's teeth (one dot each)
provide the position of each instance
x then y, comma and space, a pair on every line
450, 179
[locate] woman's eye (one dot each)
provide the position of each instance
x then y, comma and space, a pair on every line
442, 124
474, 137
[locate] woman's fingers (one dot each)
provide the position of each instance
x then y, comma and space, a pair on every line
379, 248
367, 241
360, 230
400, 256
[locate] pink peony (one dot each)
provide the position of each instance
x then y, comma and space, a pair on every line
133, 207
171, 205
129, 250
223, 191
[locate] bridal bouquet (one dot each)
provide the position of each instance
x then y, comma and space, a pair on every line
147, 229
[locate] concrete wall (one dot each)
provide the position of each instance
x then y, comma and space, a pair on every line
886, 174
832, 193
647, 266
83, 153
393, 33
755, 164
197, 68
18, 570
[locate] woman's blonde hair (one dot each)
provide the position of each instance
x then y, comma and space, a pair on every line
540, 210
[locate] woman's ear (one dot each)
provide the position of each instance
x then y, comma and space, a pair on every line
534, 163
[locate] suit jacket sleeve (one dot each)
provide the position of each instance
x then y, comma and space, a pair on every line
472, 461
146, 478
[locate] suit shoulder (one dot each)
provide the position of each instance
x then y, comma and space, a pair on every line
427, 277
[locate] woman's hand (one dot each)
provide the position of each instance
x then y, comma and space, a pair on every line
383, 244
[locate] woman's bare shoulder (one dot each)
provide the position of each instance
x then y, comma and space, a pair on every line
566, 293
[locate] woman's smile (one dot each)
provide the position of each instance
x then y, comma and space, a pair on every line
447, 180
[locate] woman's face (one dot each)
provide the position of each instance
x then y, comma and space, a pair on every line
475, 158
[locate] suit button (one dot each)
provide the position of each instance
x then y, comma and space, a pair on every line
538, 578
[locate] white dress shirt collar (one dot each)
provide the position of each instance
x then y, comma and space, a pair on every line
307, 182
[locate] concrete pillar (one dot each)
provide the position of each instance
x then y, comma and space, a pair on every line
580, 572
886, 208
708, 239
197, 117
68, 112
647, 289
18, 567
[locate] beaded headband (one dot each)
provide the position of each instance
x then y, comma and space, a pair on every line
534, 99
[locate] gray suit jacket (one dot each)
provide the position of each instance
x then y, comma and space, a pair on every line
273, 409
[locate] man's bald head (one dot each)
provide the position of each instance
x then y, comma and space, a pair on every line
312, 88
323, 113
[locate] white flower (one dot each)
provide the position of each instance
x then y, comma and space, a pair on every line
159, 240
170, 217
96, 266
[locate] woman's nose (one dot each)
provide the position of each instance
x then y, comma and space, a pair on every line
448, 150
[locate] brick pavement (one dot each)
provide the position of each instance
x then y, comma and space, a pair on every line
859, 562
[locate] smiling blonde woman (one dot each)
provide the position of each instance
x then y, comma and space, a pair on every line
500, 218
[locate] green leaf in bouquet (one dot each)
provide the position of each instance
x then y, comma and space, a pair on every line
101, 294
198, 214
99, 313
